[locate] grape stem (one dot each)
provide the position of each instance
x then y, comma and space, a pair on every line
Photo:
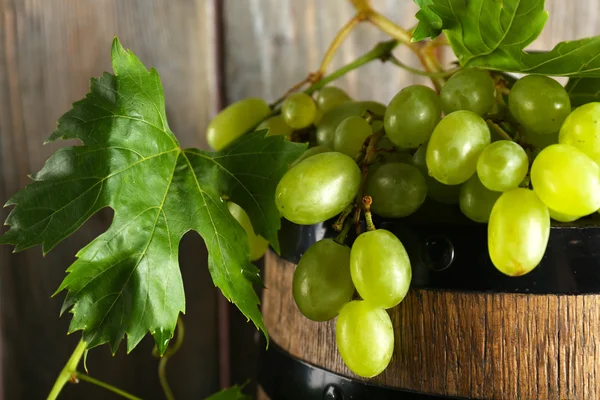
496, 128
69, 373
339, 224
162, 365
341, 237
366, 203
415, 71
368, 159
334, 46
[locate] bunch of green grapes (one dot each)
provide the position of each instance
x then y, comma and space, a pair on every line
512, 162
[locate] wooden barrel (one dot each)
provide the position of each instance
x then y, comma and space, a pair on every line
463, 331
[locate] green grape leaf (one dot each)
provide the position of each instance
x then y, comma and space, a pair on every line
493, 35
232, 393
583, 90
430, 24
127, 281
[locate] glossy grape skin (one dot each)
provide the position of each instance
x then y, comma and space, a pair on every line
258, 244
365, 338
330, 97
313, 151
276, 126
234, 121
455, 146
540, 104
567, 180
582, 130
518, 232
318, 188
322, 284
502, 165
476, 201
330, 121
446, 194
397, 190
412, 115
469, 89
380, 268
562, 217
350, 135
298, 110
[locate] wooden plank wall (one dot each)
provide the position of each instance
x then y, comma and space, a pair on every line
49, 49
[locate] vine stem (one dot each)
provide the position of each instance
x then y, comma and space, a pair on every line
496, 128
369, 154
67, 371
97, 382
415, 71
366, 202
327, 58
162, 364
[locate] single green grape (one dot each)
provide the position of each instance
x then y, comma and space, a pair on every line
326, 127
318, 188
455, 146
311, 152
567, 180
298, 110
539, 104
476, 201
560, 217
322, 284
518, 232
258, 244
469, 89
502, 165
540, 142
276, 126
380, 268
350, 135
234, 121
412, 115
330, 97
446, 194
582, 130
397, 190
364, 335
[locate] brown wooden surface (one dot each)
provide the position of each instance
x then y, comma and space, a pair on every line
48, 51
473, 345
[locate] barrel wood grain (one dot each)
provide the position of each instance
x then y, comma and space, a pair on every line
472, 345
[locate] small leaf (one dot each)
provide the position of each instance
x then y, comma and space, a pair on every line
430, 24
493, 35
583, 90
127, 281
232, 393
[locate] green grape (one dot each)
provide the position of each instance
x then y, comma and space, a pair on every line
258, 244
560, 217
455, 146
412, 115
476, 201
330, 121
365, 338
567, 180
298, 110
380, 268
276, 126
469, 89
518, 232
234, 121
330, 97
313, 151
318, 188
540, 142
446, 194
582, 130
502, 165
397, 190
350, 135
322, 284
539, 104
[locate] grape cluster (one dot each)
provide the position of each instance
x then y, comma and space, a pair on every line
510, 157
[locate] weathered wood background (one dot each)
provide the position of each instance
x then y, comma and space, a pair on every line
48, 51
